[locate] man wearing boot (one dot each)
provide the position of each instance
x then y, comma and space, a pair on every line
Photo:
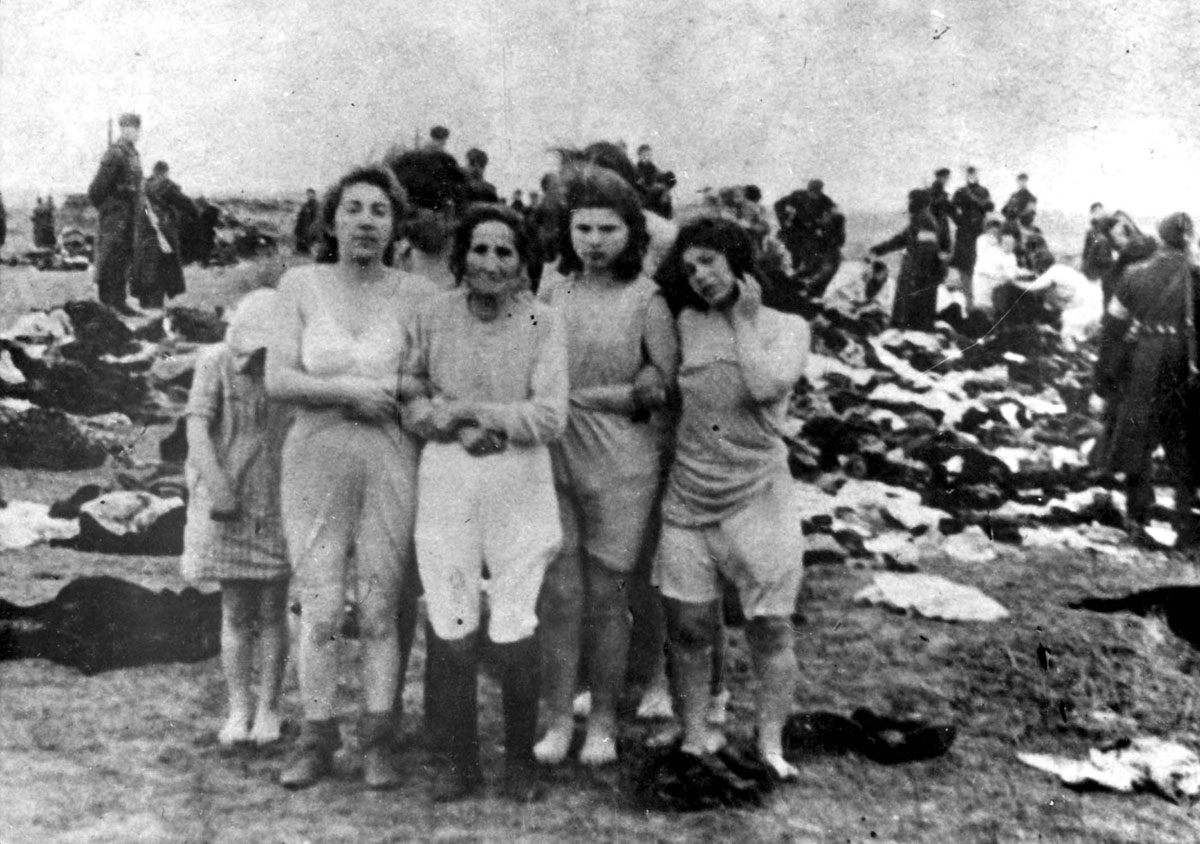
1148, 361
117, 192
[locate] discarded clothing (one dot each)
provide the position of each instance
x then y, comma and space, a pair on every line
130, 522
1145, 763
880, 738
41, 438
669, 780
1176, 604
26, 523
98, 624
930, 596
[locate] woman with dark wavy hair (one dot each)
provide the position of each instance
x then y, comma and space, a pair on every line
727, 511
608, 466
349, 471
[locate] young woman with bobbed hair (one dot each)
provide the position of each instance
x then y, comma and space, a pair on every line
726, 511
608, 466
349, 471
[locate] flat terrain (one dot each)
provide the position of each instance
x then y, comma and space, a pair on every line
132, 755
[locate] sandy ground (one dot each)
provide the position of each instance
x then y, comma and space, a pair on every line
132, 755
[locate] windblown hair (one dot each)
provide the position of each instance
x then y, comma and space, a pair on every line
476, 216
716, 233
591, 186
427, 230
432, 179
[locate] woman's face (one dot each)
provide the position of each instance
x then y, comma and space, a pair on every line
493, 265
709, 275
599, 236
363, 222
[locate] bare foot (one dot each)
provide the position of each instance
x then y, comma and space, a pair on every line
267, 728
783, 770
235, 731
705, 744
665, 737
717, 704
656, 703
553, 747
600, 746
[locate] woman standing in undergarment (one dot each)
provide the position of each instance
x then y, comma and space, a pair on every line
349, 471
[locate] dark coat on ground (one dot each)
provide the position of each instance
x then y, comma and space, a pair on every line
1158, 403
924, 240
158, 271
971, 202
116, 191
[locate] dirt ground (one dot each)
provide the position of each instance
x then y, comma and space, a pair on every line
132, 755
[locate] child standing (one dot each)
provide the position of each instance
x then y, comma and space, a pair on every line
233, 533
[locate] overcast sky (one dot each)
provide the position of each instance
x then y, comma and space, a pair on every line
1094, 100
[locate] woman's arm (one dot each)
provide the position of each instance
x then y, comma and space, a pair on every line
772, 347
204, 405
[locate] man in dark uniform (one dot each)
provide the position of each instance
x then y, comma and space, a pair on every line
971, 202
477, 188
1021, 202
117, 192
799, 214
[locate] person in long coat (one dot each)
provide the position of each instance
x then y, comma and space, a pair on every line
923, 269
971, 202
158, 271
1148, 359
116, 191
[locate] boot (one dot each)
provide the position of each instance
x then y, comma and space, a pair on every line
437, 659
313, 759
406, 622
459, 775
375, 736
520, 682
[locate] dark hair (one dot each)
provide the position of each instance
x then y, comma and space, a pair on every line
1176, 229
430, 178
439, 133
1011, 229
160, 167
1021, 176
752, 193
370, 174
477, 157
919, 200
643, 147
1095, 205
427, 231
971, 171
477, 215
716, 233
940, 172
816, 185
592, 186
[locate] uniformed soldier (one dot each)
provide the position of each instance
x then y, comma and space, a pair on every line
117, 192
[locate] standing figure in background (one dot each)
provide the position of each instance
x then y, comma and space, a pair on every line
116, 191
922, 271
306, 221
798, 213
972, 203
44, 226
1099, 251
1155, 375
158, 270
647, 170
477, 187
1021, 202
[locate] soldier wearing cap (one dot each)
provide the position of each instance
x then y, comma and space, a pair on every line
972, 202
117, 192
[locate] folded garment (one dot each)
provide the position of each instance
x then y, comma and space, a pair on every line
930, 596
1145, 763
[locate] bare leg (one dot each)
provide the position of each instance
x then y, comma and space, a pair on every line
273, 646
560, 623
608, 647
692, 630
772, 649
238, 616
